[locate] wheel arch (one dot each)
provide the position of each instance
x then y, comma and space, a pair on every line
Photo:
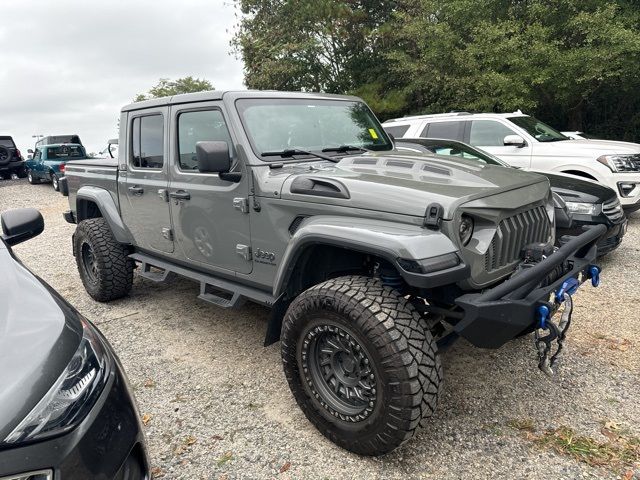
94, 202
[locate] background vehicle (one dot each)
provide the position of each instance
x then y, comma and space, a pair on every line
48, 162
589, 202
365, 255
55, 139
523, 141
67, 411
11, 161
579, 136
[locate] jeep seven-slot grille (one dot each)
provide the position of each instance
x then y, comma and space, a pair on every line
613, 209
513, 234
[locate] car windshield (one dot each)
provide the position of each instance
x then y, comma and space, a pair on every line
465, 151
278, 125
65, 152
538, 130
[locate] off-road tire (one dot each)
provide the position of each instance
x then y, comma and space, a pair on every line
112, 274
31, 179
402, 353
55, 182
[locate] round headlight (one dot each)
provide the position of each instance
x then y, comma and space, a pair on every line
465, 230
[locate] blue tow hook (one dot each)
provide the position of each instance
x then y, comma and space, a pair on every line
569, 286
543, 315
595, 275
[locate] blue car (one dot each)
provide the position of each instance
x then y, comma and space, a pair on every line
47, 164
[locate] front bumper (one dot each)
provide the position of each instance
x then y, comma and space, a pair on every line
608, 242
631, 199
497, 315
107, 445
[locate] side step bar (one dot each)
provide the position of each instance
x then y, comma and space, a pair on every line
221, 292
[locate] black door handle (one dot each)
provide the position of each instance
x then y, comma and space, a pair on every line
136, 190
180, 195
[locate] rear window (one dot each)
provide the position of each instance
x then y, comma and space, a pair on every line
65, 152
7, 142
397, 131
448, 130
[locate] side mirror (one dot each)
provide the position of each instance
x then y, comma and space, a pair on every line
30, 151
514, 141
21, 224
213, 157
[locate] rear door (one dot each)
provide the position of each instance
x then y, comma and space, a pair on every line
210, 216
488, 135
143, 185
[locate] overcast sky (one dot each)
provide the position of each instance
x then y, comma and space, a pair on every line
68, 66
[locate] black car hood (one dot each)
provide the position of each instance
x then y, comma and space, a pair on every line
576, 189
39, 333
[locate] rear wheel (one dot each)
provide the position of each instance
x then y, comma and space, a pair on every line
361, 363
55, 181
103, 263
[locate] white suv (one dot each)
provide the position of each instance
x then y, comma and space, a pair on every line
525, 142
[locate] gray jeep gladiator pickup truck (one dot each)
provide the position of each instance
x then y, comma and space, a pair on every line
368, 256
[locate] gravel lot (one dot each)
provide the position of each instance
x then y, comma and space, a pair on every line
217, 405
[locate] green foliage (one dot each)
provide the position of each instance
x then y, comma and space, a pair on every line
168, 88
573, 63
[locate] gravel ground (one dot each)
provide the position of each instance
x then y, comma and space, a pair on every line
217, 405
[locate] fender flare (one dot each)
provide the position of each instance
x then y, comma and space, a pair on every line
388, 240
108, 208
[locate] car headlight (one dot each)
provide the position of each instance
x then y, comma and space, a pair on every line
582, 208
621, 163
465, 229
72, 395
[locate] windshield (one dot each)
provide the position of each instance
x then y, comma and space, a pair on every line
275, 125
538, 130
65, 152
465, 151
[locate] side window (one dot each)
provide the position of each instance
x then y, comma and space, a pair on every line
37, 155
448, 130
147, 136
199, 126
488, 133
397, 131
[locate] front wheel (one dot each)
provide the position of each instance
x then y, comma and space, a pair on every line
104, 265
31, 178
361, 363
55, 181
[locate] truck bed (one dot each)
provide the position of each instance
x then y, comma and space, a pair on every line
98, 172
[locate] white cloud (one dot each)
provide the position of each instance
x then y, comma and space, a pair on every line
69, 66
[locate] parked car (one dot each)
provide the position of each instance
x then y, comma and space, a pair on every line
588, 202
11, 161
48, 162
67, 409
523, 141
366, 256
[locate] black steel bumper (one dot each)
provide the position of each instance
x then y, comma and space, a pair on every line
107, 445
497, 315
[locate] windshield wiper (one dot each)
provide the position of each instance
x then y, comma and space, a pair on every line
344, 149
290, 152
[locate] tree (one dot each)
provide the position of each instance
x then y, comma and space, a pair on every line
168, 88
571, 62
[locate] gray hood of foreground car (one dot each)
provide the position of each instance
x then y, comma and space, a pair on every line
39, 334
407, 184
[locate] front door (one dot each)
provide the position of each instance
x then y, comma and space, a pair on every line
143, 185
210, 216
488, 135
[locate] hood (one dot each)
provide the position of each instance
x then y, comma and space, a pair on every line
581, 148
406, 183
39, 334
578, 189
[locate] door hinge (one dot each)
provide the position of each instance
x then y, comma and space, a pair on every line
244, 251
163, 193
242, 204
167, 233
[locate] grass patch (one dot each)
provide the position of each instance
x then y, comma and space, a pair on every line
522, 424
224, 459
617, 453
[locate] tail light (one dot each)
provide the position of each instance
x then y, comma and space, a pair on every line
61, 167
18, 154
